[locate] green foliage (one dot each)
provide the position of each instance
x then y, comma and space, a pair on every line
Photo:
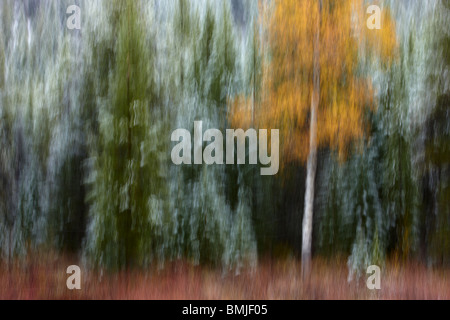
436, 132
223, 60
372, 206
86, 118
438, 157
127, 211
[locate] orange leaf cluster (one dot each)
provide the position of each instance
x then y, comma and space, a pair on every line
345, 91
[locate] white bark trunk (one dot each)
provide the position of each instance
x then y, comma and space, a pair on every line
312, 159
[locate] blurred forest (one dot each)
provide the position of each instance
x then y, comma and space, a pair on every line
87, 115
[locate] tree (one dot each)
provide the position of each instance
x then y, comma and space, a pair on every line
211, 212
435, 131
127, 213
316, 89
374, 196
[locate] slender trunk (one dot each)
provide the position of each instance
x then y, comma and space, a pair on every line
312, 159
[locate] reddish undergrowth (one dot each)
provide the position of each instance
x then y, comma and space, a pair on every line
45, 278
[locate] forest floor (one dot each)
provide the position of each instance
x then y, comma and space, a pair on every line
45, 278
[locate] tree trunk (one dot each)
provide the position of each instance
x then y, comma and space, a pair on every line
312, 158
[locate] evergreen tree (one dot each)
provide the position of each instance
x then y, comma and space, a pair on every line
127, 214
435, 131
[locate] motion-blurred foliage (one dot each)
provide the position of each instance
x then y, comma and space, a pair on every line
86, 118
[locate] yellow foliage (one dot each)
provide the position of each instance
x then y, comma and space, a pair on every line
345, 92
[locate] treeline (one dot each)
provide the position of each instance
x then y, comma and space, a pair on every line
87, 115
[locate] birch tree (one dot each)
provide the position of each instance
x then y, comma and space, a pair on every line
316, 90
